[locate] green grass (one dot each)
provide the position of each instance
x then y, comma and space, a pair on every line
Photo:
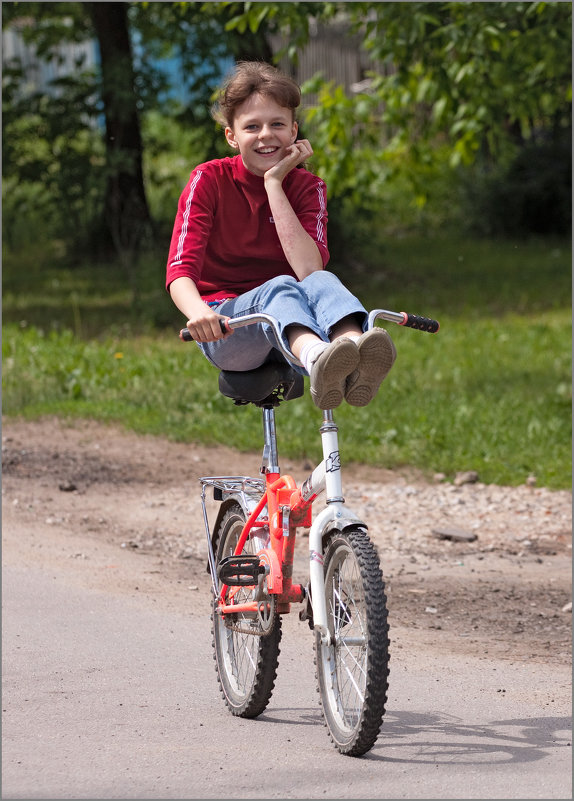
39, 287
471, 277
493, 397
490, 392
432, 275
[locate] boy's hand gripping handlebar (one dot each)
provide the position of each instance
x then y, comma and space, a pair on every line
185, 333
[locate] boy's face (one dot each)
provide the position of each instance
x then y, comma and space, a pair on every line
262, 131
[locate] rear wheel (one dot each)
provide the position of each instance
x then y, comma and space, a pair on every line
246, 655
352, 671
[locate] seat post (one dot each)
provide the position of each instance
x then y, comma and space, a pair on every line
270, 454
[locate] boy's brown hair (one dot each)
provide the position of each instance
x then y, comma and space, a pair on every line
253, 77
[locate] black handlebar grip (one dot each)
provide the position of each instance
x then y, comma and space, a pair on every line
185, 334
420, 323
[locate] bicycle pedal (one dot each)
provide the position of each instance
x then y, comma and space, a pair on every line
239, 571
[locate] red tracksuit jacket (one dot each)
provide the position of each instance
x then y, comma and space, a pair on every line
224, 236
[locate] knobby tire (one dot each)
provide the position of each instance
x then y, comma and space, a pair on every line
352, 672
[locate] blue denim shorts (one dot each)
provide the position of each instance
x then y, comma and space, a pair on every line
318, 302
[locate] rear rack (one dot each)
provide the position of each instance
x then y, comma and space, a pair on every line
250, 489
230, 484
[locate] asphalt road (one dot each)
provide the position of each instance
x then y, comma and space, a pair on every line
111, 695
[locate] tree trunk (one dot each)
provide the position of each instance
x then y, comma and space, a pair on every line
127, 213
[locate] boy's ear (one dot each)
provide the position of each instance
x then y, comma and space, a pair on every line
295, 131
231, 141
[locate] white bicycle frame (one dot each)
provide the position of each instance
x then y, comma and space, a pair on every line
326, 476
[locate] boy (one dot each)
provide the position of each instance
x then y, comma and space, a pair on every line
250, 237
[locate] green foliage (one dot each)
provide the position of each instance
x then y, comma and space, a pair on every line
172, 149
53, 23
451, 83
288, 19
47, 187
532, 195
472, 70
53, 165
346, 138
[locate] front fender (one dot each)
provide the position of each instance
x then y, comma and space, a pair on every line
334, 516
340, 519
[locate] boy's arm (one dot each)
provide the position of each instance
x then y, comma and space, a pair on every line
190, 234
202, 321
300, 249
192, 228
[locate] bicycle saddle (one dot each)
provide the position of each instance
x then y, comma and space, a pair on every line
267, 385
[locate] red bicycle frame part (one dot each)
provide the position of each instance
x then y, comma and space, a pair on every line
279, 496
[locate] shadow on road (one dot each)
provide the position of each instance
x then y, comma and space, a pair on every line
443, 739
440, 738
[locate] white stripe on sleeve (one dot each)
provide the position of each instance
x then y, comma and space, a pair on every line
321, 213
188, 202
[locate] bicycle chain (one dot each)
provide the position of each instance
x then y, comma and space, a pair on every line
254, 632
260, 632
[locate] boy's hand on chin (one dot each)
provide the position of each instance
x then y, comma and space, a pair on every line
297, 153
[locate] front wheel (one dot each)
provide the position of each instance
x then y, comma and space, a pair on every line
352, 671
246, 654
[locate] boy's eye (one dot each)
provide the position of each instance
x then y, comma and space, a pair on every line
252, 126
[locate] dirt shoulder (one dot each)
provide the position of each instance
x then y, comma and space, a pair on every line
122, 512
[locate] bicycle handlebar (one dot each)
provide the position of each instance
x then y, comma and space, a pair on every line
404, 318
400, 318
229, 323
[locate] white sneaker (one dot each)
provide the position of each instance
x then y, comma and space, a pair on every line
330, 371
377, 354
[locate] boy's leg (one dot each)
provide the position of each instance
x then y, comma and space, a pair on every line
252, 345
319, 308
337, 311
376, 349
319, 304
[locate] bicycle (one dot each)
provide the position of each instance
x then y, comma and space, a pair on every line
250, 559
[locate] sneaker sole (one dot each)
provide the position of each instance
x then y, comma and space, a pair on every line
377, 356
335, 365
